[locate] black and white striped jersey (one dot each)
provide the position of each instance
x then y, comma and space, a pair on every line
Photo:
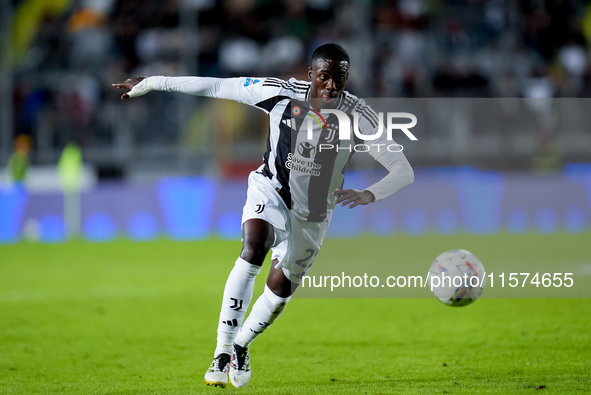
306, 164
296, 162
316, 161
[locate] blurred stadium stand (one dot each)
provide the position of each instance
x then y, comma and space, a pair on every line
59, 58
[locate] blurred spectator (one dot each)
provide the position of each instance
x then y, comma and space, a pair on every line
546, 158
18, 164
539, 85
76, 101
538, 91
240, 56
573, 59
495, 16
281, 54
91, 39
29, 100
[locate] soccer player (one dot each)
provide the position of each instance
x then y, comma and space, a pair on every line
292, 195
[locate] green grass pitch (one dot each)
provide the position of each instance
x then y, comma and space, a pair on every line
140, 318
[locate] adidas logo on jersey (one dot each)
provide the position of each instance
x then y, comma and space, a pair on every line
250, 81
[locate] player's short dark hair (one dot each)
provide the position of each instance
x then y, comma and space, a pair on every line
330, 51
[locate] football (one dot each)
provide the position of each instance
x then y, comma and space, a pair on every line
457, 278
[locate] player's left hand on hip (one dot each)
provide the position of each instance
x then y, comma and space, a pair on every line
353, 197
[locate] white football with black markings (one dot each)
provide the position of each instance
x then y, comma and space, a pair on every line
457, 278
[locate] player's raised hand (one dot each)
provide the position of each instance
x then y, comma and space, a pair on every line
354, 197
129, 84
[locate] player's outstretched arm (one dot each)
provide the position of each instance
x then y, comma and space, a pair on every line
223, 88
129, 84
236, 89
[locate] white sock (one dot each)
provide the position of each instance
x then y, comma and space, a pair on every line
264, 312
237, 296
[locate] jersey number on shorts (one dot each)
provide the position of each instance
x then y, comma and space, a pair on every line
302, 262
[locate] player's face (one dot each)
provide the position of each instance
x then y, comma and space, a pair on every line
329, 78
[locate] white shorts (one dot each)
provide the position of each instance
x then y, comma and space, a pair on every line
296, 242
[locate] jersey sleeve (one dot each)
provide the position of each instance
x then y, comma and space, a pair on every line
400, 174
246, 90
385, 151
